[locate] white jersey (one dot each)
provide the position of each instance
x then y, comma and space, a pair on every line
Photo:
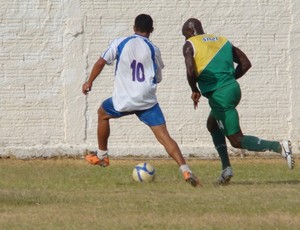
138, 70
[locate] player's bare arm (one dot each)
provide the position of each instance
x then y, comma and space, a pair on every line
188, 54
97, 68
243, 63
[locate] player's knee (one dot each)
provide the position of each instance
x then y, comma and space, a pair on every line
102, 115
235, 142
208, 126
211, 126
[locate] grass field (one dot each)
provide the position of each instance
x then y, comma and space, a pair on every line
70, 194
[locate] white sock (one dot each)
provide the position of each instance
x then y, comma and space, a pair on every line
102, 153
185, 168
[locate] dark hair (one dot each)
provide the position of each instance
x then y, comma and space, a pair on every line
144, 23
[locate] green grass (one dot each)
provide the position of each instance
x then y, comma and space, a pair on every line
70, 194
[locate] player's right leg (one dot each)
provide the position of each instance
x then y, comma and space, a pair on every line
162, 135
223, 121
154, 118
220, 144
225, 176
219, 141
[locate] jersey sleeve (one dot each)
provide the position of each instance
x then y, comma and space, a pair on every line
110, 53
160, 64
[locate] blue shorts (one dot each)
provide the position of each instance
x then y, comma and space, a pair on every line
151, 117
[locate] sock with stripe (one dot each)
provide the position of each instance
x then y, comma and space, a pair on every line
221, 147
252, 143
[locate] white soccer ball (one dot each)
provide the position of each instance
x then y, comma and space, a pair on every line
143, 172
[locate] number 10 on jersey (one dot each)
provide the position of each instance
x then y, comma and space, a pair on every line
138, 73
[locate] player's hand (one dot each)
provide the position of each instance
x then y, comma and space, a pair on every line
86, 88
196, 97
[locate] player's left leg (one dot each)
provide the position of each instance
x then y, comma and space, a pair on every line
229, 125
223, 103
105, 113
103, 129
253, 143
100, 157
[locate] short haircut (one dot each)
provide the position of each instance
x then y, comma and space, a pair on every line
144, 23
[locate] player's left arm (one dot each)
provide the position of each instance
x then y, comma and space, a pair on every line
243, 63
107, 58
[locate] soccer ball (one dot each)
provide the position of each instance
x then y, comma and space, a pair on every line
143, 172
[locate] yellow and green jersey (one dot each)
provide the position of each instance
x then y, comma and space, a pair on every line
213, 61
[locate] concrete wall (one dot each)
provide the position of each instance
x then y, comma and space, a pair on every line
49, 47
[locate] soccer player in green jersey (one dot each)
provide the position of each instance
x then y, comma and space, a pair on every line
209, 61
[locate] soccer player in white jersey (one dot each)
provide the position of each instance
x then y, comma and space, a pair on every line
137, 71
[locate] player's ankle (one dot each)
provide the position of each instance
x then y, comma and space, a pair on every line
185, 168
102, 153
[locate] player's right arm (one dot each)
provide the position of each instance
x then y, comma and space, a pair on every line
160, 64
97, 68
188, 53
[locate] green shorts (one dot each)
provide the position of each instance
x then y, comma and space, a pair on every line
223, 104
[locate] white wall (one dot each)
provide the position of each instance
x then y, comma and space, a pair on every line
49, 47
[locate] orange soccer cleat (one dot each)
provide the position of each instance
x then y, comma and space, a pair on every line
94, 160
191, 179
